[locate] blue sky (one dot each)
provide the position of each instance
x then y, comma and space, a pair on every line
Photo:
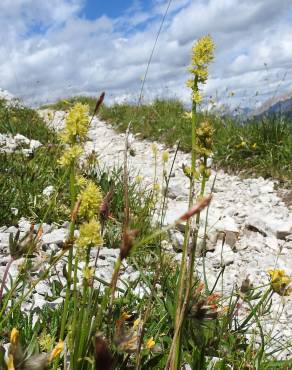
112, 8
59, 48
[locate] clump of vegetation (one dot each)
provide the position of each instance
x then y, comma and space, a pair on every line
179, 319
259, 146
67, 104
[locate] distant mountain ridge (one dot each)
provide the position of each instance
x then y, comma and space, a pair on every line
281, 105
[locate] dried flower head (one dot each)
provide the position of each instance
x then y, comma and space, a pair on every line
126, 338
127, 242
103, 357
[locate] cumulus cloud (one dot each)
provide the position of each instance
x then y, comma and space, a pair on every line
50, 50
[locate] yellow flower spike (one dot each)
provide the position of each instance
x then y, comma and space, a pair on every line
150, 343
154, 149
165, 156
81, 181
91, 199
70, 154
45, 341
10, 363
156, 186
197, 97
203, 51
202, 55
14, 335
138, 179
56, 351
254, 146
76, 125
88, 273
89, 234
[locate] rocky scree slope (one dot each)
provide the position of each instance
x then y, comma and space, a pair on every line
255, 222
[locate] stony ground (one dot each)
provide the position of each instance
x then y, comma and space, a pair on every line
255, 222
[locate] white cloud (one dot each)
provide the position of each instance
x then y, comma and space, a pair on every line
47, 50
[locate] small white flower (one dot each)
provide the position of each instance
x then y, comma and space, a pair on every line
48, 191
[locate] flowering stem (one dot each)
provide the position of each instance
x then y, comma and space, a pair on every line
70, 256
81, 337
182, 282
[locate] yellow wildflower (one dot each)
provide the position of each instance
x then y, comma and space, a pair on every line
202, 55
156, 186
91, 200
165, 156
150, 343
70, 155
205, 130
89, 234
16, 358
203, 51
138, 179
56, 351
280, 281
204, 139
154, 149
88, 273
76, 125
14, 335
45, 341
242, 144
254, 146
197, 97
188, 115
81, 181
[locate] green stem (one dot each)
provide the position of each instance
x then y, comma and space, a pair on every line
182, 283
70, 256
85, 308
